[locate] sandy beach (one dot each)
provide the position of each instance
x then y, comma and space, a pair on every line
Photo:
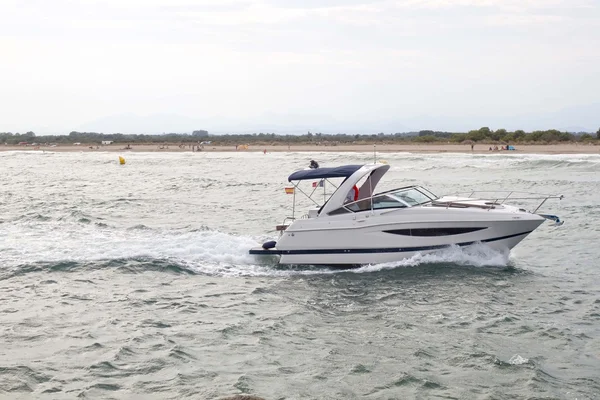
566, 148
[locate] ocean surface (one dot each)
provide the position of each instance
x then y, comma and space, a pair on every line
134, 282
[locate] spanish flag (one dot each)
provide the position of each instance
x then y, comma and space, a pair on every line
289, 190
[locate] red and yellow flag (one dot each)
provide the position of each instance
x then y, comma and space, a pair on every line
289, 190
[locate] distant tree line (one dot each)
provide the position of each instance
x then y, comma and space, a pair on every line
94, 137
486, 135
482, 135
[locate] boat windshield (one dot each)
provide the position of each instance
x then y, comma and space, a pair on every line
413, 196
397, 198
379, 202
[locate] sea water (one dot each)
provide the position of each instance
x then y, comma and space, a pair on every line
134, 281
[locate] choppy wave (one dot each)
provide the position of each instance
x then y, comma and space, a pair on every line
117, 280
494, 162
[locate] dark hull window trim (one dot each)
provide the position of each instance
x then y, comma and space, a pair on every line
341, 210
379, 250
433, 231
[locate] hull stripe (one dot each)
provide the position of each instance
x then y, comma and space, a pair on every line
379, 250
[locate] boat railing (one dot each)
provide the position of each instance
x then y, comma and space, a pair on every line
284, 225
497, 197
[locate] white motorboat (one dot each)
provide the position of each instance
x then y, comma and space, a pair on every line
354, 226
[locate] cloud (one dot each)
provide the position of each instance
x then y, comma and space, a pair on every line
510, 5
72, 61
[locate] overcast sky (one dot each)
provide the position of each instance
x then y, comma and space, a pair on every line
65, 64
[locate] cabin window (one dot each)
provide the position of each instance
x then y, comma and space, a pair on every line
379, 202
433, 231
341, 210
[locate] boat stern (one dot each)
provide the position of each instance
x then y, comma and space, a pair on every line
259, 251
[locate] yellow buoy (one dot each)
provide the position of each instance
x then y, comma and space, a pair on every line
121, 160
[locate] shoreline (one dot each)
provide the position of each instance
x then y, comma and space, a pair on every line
567, 148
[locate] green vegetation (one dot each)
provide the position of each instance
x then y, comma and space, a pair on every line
97, 138
486, 135
482, 135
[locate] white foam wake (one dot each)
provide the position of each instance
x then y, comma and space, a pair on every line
478, 255
63, 242
202, 251
518, 360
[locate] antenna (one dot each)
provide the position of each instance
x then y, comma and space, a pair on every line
371, 189
294, 204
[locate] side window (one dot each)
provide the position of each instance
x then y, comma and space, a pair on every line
339, 211
379, 202
361, 205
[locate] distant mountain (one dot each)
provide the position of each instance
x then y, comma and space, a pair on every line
276, 123
575, 129
579, 119
573, 119
133, 123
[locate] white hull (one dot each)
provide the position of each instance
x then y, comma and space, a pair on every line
380, 257
368, 239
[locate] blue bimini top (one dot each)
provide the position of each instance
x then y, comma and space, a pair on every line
343, 171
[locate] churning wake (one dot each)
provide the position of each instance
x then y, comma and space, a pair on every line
202, 251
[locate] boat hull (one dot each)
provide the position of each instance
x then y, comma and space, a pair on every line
389, 237
359, 256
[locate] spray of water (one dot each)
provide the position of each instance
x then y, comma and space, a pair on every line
200, 251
